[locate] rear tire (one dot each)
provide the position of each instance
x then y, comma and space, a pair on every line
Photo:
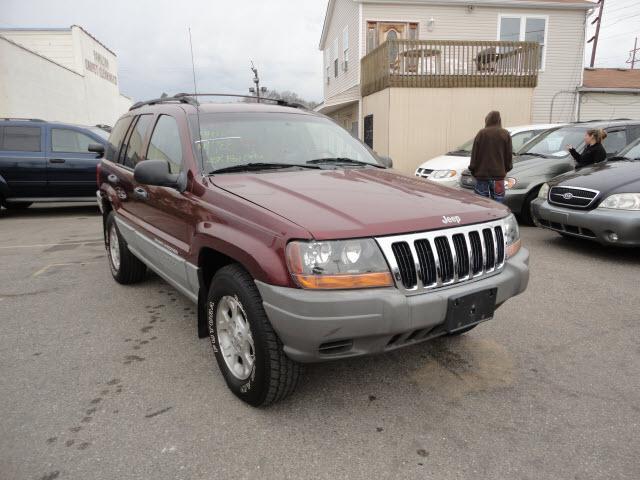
125, 266
248, 351
525, 214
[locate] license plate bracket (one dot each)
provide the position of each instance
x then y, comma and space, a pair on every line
470, 309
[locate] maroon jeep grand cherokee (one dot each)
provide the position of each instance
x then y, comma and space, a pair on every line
296, 241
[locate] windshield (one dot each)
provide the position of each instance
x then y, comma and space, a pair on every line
632, 151
464, 148
553, 143
233, 139
100, 132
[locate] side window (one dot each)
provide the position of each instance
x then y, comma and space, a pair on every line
22, 139
633, 132
519, 139
70, 141
135, 144
165, 143
616, 140
116, 137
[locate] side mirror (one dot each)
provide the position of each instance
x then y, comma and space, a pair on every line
157, 172
386, 161
96, 148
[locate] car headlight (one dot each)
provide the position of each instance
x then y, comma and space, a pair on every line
509, 183
439, 174
544, 191
622, 201
511, 235
338, 264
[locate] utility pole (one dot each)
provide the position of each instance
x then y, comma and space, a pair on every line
632, 54
594, 39
256, 80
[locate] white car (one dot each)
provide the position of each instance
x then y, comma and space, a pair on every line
446, 169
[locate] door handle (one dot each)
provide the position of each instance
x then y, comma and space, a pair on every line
112, 178
57, 160
141, 193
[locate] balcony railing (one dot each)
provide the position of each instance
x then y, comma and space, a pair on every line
450, 63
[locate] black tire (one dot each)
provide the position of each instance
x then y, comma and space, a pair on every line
128, 269
525, 214
17, 205
462, 331
273, 376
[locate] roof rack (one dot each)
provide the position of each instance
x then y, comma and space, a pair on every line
23, 119
190, 99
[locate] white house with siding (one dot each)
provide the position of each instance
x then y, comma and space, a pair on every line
453, 58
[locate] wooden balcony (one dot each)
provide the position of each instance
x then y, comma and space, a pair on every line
450, 64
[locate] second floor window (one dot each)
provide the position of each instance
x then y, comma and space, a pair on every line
345, 48
515, 28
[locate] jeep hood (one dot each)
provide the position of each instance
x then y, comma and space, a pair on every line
358, 202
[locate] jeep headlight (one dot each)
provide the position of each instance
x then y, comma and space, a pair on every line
440, 174
338, 264
622, 201
511, 235
544, 191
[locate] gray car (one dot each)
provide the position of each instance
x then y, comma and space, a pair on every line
546, 157
600, 202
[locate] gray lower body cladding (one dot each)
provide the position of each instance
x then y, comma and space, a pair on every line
324, 325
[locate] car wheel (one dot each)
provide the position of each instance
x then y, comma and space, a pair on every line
462, 331
248, 351
125, 266
17, 205
525, 214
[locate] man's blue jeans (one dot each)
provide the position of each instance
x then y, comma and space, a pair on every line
493, 189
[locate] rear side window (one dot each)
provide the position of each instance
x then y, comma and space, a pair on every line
634, 132
616, 140
518, 140
165, 143
21, 139
70, 141
135, 145
116, 137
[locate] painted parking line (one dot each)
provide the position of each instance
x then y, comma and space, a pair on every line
42, 245
47, 267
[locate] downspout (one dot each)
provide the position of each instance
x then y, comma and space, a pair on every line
578, 105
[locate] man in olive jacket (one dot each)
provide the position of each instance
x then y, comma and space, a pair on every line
491, 158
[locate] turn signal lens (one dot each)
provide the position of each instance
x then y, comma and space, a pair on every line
337, 282
513, 248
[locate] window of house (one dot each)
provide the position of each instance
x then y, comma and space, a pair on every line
21, 139
335, 57
345, 48
165, 143
327, 64
134, 152
514, 28
70, 141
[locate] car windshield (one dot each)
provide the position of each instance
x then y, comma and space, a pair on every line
553, 143
632, 152
100, 132
235, 139
465, 148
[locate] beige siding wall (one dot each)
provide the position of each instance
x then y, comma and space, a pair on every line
56, 45
564, 54
345, 15
378, 106
595, 106
417, 124
346, 117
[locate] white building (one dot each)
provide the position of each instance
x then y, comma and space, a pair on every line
61, 74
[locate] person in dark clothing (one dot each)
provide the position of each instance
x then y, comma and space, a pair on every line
594, 152
491, 158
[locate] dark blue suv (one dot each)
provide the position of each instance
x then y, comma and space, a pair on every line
48, 161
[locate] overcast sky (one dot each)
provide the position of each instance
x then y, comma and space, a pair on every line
281, 36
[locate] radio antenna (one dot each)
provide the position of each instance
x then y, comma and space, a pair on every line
197, 104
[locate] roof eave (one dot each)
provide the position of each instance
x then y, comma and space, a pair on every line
577, 5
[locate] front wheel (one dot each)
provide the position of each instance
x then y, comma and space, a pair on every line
248, 351
526, 216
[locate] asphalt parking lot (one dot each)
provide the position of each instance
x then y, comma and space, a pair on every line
102, 381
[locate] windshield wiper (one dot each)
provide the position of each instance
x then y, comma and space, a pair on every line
619, 157
459, 151
540, 155
245, 167
339, 160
